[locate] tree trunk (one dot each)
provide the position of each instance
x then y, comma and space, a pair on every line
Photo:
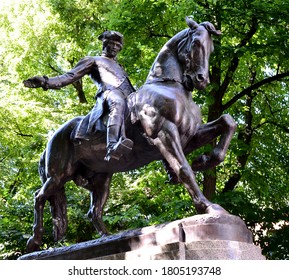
80, 93
244, 136
210, 181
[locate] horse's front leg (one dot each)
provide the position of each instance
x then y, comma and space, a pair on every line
169, 144
225, 127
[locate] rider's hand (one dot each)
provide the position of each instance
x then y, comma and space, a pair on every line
35, 82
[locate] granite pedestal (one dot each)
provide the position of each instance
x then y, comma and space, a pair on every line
201, 237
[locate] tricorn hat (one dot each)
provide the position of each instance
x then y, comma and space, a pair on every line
111, 35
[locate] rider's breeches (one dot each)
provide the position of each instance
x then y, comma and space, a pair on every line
117, 104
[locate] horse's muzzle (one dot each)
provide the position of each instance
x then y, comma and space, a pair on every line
198, 81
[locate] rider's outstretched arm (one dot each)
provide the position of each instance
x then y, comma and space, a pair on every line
82, 68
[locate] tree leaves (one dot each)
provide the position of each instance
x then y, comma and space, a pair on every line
249, 80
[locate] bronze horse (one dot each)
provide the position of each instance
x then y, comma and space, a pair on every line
164, 124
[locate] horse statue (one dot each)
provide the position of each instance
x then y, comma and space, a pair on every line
164, 124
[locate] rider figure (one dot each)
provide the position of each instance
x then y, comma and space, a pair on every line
113, 88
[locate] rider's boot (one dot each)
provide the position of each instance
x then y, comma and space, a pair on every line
117, 146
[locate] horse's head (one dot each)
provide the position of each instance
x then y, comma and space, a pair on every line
194, 51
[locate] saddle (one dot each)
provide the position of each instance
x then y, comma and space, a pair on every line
80, 131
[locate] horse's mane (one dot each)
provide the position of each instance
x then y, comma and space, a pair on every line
171, 58
185, 44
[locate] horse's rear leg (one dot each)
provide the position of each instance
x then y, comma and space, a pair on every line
49, 187
58, 204
99, 192
58, 209
169, 144
225, 127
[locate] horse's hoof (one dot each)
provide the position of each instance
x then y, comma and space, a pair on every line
216, 209
32, 245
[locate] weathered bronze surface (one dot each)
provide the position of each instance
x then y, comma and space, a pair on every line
163, 122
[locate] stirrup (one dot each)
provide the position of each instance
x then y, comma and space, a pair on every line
123, 146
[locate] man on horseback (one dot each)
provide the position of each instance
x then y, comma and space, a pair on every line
113, 88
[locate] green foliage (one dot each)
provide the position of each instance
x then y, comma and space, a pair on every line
249, 80
269, 225
154, 203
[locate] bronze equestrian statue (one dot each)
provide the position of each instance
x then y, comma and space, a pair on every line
163, 122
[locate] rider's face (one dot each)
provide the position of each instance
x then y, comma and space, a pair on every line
112, 48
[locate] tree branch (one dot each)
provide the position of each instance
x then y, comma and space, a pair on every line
80, 93
254, 87
20, 133
54, 69
245, 137
282, 127
235, 60
23, 134
229, 75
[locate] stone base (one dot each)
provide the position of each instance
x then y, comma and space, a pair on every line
198, 250
201, 237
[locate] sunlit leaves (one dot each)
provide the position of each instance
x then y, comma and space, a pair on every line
48, 37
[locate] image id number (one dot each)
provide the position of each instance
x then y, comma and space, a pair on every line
194, 270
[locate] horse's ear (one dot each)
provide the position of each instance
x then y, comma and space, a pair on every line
191, 23
211, 28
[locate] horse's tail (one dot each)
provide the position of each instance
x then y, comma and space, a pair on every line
41, 168
58, 204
